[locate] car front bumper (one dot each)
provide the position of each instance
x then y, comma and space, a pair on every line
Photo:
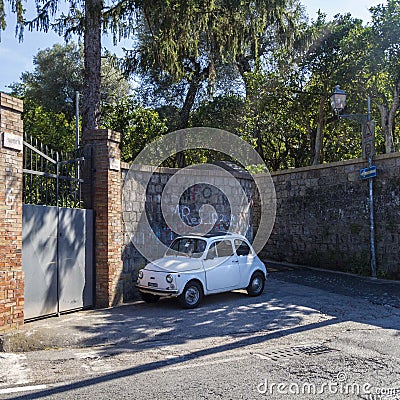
158, 292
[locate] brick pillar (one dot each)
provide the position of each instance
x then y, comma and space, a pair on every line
105, 198
11, 274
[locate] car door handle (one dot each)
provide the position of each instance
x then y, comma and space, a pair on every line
235, 261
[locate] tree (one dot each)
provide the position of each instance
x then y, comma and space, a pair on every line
326, 63
384, 66
222, 112
286, 34
273, 120
92, 49
51, 128
188, 40
88, 21
59, 72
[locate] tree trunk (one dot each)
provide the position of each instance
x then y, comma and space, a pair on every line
388, 116
92, 54
383, 109
189, 102
244, 67
319, 136
258, 137
184, 114
389, 142
313, 136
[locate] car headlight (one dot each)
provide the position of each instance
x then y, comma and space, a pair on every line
140, 274
169, 278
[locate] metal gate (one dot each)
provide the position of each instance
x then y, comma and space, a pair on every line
57, 234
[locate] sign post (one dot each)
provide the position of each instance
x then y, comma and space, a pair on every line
368, 150
338, 102
368, 173
368, 140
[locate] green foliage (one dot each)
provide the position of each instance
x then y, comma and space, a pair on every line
51, 128
257, 169
57, 74
281, 140
138, 126
186, 52
177, 31
222, 112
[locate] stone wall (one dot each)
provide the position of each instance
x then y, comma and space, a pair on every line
187, 209
323, 217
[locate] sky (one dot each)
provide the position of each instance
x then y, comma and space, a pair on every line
16, 57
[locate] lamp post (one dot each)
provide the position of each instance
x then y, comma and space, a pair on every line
338, 103
70, 101
76, 120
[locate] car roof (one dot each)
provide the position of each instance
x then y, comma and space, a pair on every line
214, 235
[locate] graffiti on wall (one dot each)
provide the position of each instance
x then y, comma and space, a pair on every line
200, 205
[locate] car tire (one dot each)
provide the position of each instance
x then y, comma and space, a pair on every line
192, 295
256, 284
149, 298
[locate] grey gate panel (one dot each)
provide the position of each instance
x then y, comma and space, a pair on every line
75, 258
57, 245
39, 260
57, 259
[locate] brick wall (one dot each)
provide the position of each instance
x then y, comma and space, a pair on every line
323, 217
11, 275
105, 197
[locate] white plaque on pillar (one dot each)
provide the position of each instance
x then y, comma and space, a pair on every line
115, 164
11, 141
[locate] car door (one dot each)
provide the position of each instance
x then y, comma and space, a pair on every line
221, 266
245, 258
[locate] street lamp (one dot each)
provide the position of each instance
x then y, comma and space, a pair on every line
338, 102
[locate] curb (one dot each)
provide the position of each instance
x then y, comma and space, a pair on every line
299, 266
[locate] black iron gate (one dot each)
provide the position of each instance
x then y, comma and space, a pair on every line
57, 232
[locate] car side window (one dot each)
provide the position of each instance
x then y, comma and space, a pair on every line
242, 248
224, 248
212, 251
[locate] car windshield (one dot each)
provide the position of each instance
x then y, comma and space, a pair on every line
189, 247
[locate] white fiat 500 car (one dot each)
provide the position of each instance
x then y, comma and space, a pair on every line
195, 266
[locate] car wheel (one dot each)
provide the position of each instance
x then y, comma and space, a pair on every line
191, 295
256, 285
149, 298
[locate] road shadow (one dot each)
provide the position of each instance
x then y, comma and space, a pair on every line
283, 305
283, 310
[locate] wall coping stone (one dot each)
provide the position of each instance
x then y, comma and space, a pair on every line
163, 170
171, 171
354, 161
101, 134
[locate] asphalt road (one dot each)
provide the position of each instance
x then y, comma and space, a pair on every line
304, 338
382, 292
